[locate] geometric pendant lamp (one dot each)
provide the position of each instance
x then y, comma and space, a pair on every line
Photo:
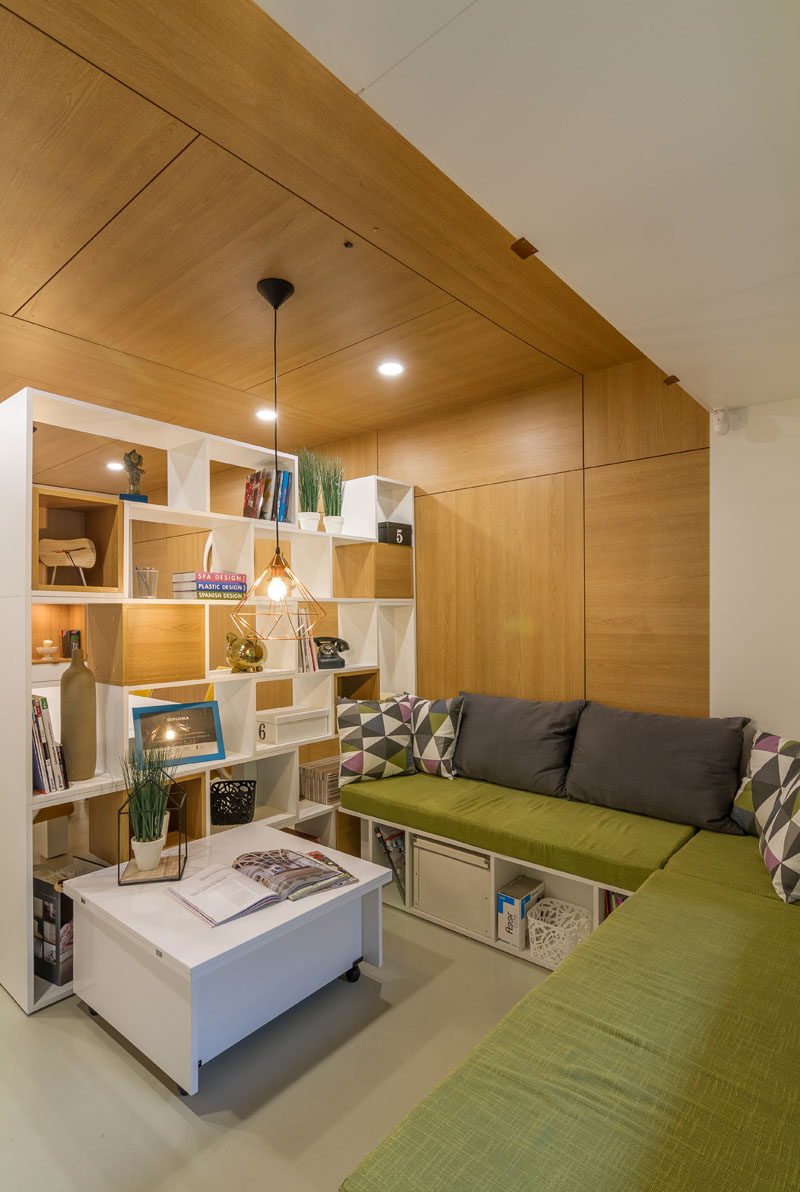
285, 608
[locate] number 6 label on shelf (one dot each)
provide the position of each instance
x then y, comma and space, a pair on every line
262, 731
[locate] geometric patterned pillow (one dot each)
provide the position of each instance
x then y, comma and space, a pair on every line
780, 841
774, 763
435, 723
374, 739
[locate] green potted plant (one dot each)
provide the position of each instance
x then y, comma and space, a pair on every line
148, 776
331, 481
308, 466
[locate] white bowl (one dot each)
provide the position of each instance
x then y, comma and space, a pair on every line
50, 653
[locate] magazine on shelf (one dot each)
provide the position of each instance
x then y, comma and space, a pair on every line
49, 774
221, 893
254, 493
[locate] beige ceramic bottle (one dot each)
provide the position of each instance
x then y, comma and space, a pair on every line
78, 719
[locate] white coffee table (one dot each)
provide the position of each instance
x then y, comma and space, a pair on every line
181, 991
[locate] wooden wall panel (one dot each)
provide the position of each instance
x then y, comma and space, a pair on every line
631, 414
247, 85
76, 146
500, 589
359, 454
531, 434
647, 541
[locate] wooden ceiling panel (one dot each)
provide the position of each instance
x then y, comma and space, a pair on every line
452, 357
75, 146
61, 364
173, 277
245, 83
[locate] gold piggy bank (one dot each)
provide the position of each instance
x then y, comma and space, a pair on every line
245, 653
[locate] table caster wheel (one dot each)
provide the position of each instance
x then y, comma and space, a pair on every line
352, 974
181, 1092
93, 1013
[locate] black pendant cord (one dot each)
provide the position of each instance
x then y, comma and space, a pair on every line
275, 421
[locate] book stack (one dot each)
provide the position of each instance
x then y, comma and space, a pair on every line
208, 585
49, 773
267, 493
613, 901
319, 781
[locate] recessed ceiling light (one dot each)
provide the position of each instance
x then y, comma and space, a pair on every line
391, 368
266, 415
115, 467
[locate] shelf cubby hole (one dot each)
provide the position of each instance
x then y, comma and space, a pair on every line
63, 515
48, 621
362, 684
358, 625
395, 501
277, 786
556, 885
396, 647
170, 549
111, 743
73, 459
281, 656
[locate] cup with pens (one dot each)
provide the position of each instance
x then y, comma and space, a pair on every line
147, 583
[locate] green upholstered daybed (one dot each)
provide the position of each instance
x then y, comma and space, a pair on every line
598, 843
661, 1055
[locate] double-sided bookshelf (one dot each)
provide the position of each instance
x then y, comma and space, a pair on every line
166, 649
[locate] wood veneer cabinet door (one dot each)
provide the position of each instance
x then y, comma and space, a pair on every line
500, 589
647, 551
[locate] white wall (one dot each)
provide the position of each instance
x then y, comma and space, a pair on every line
755, 568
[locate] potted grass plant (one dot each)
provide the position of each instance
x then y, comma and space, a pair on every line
308, 466
331, 482
148, 776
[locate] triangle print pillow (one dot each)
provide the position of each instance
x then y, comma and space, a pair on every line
774, 764
374, 739
435, 724
780, 841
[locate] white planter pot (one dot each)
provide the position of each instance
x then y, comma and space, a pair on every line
308, 521
148, 852
333, 525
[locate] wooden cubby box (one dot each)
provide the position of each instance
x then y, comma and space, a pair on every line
362, 684
104, 819
374, 570
48, 621
62, 514
147, 644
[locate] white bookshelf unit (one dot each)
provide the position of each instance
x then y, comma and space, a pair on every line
168, 650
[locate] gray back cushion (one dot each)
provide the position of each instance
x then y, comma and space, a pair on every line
516, 742
674, 768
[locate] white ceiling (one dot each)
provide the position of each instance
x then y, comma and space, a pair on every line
648, 149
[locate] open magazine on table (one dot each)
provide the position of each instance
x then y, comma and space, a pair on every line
220, 893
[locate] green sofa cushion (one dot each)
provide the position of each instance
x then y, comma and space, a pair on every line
594, 842
730, 860
663, 1054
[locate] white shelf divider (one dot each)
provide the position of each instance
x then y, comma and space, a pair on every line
380, 632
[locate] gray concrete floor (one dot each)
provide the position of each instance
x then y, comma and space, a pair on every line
293, 1108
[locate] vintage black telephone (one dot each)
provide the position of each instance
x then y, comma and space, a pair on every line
328, 649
